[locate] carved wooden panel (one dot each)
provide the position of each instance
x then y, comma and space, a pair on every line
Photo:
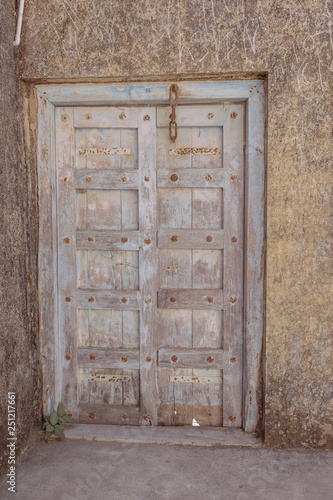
150, 245
200, 240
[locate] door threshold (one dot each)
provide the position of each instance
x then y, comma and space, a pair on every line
184, 435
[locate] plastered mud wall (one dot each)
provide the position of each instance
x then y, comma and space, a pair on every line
290, 43
19, 356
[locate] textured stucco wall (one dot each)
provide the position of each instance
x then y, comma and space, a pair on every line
290, 42
18, 329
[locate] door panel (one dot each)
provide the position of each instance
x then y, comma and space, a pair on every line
150, 264
194, 244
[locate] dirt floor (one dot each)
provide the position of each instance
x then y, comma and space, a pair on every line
84, 470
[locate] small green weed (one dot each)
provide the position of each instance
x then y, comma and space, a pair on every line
54, 424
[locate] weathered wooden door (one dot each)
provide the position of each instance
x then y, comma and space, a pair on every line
150, 264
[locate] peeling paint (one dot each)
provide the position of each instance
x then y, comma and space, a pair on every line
194, 151
105, 151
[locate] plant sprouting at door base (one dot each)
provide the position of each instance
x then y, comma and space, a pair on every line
54, 423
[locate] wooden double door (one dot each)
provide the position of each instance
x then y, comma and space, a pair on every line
150, 264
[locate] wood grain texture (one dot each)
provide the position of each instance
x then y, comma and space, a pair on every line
67, 337
108, 414
190, 208
47, 256
192, 299
255, 259
175, 268
108, 358
190, 238
108, 328
207, 269
203, 116
207, 329
106, 270
191, 358
107, 240
193, 415
207, 208
174, 208
195, 147
148, 266
234, 158
105, 117
106, 209
106, 148
108, 299
195, 380
105, 179
185, 210
188, 178
104, 377
141, 93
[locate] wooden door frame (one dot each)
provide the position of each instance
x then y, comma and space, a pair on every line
252, 92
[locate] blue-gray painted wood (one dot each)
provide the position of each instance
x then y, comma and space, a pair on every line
249, 91
152, 93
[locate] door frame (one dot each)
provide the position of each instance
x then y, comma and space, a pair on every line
252, 93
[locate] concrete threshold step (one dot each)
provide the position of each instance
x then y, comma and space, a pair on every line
185, 435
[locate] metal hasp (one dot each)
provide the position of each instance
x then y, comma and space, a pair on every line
173, 104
